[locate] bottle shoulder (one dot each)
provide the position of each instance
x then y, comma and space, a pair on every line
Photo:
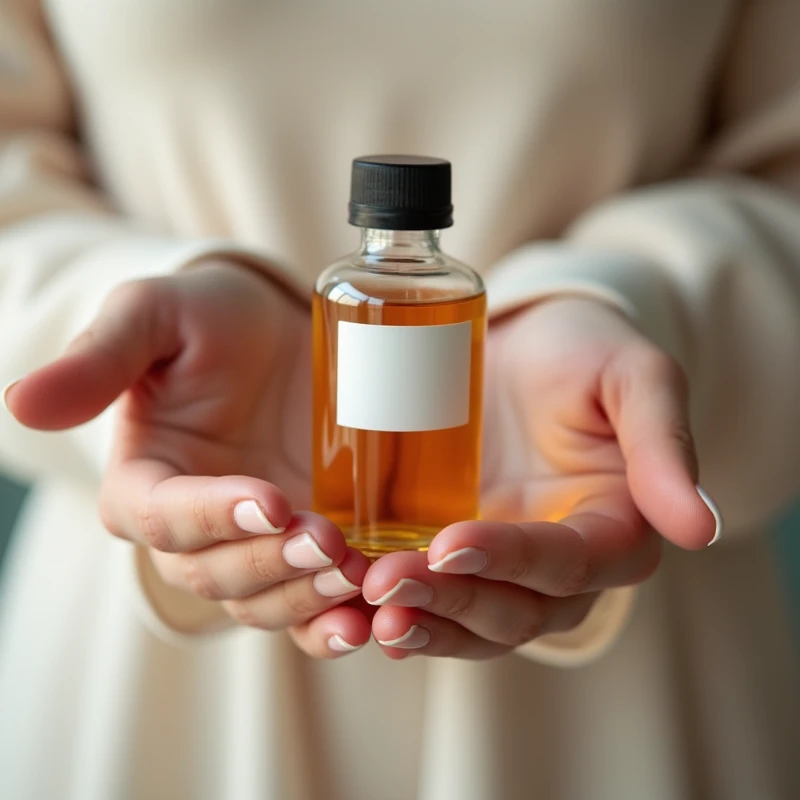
359, 278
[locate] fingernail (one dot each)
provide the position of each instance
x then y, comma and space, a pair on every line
414, 638
467, 561
341, 646
8, 388
712, 507
302, 552
332, 583
407, 592
249, 517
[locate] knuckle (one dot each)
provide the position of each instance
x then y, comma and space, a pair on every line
519, 570
198, 578
460, 605
577, 573
521, 630
300, 604
154, 529
575, 579
259, 566
243, 612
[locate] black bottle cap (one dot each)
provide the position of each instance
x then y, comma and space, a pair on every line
401, 193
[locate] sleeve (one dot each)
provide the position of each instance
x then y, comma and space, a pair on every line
708, 267
62, 249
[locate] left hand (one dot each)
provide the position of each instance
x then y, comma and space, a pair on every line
587, 432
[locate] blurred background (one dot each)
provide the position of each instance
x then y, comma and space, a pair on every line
11, 497
786, 539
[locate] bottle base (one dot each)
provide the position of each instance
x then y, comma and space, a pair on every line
390, 537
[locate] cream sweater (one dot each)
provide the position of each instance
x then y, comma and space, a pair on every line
643, 152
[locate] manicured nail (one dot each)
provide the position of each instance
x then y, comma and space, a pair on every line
249, 517
341, 646
467, 561
302, 552
332, 583
414, 638
8, 388
712, 507
408, 593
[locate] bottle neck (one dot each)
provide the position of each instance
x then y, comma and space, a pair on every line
400, 246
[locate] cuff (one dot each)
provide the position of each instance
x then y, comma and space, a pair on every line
632, 284
591, 639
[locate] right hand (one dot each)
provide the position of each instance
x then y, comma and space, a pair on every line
212, 366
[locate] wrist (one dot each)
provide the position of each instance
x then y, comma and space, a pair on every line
269, 271
568, 303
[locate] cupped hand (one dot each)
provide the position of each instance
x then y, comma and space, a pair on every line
588, 461
212, 370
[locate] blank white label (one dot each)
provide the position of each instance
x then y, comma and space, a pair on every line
403, 377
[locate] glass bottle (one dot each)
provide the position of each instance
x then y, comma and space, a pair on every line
399, 330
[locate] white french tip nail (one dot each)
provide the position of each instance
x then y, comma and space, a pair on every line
249, 517
303, 552
712, 507
415, 591
414, 638
441, 564
341, 646
333, 583
8, 387
468, 561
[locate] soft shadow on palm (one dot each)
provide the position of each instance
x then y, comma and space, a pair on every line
235, 399
549, 449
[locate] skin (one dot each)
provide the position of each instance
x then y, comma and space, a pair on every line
587, 454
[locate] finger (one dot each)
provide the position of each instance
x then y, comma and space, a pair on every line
402, 632
297, 601
234, 570
500, 612
133, 330
333, 634
589, 551
645, 395
148, 502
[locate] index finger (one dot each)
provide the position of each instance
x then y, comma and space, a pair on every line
151, 503
603, 543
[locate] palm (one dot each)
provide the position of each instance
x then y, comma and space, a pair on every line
237, 401
235, 398
549, 445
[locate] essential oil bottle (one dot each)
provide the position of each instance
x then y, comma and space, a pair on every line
399, 330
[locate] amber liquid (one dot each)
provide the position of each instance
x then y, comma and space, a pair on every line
394, 491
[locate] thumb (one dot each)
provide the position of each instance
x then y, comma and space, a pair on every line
132, 331
645, 394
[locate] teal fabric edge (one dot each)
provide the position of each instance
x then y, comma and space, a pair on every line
786, 546
12, 496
